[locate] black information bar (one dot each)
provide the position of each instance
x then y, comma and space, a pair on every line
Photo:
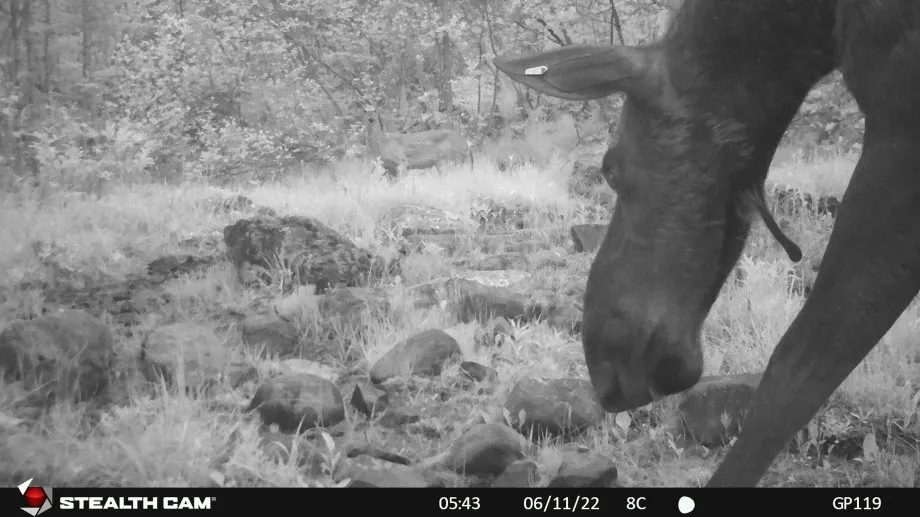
444, 501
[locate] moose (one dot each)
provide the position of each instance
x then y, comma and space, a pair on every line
421, 150
705, 109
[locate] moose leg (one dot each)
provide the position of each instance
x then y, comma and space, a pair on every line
870, 273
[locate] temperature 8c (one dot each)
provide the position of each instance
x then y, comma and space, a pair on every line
636, 503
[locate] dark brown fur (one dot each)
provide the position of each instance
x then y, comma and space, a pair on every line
705, 111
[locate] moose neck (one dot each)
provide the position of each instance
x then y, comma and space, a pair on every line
751, 78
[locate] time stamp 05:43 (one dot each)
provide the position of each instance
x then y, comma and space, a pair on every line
537, 503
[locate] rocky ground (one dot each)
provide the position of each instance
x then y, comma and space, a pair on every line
437, 347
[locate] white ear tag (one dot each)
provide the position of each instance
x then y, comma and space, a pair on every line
537, 70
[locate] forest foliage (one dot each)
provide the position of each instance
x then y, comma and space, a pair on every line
95, 91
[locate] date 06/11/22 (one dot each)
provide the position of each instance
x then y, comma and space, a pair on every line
577, 503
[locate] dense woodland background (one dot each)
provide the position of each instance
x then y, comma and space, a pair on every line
96, 91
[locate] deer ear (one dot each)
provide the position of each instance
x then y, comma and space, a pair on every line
582, 72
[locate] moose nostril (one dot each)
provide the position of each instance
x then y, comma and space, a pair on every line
673, 375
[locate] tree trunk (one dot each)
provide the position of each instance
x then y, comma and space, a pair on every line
28, 83
14, 42
10, 142
444, 81
87, 38
616, 26
46, 52
89, 102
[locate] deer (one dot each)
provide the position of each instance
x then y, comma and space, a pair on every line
421, 150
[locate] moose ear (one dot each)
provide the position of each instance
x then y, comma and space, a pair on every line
581, 72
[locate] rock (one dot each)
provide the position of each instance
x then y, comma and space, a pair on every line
485, 450
482, 302
703, 406
520, 474
588, 237
368, 399
298, 397
559, 407
177, 265
187, 354
521, 303
477, 372
585, 469
68, 355
348, 306
312, 252
278, 336
422, 354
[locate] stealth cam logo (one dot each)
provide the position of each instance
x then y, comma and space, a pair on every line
38, 499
